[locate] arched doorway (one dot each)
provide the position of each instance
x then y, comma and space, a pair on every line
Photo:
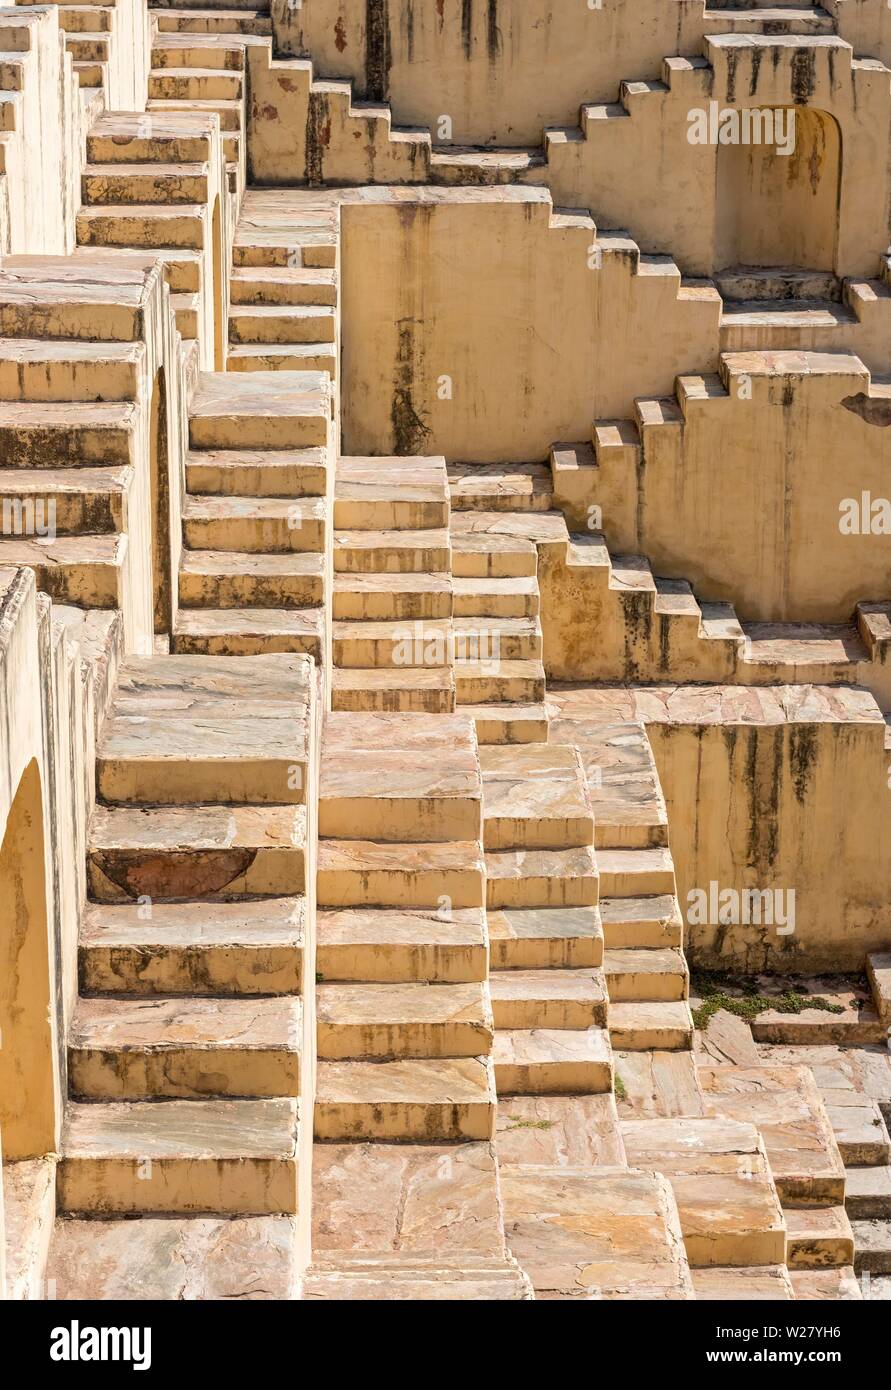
776, 209
28, 1090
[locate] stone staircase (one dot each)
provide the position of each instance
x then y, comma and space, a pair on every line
186, 1053
153, 183
254, 565
284, 284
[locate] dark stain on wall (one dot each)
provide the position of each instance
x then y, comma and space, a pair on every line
467, 27
318, 136
410, 434
802, 757
378, 51
493, 35
804, 75
873, 410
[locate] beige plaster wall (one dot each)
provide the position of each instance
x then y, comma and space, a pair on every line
479, 326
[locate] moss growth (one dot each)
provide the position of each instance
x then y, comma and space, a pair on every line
748, 1003
517, 1123
619, 1088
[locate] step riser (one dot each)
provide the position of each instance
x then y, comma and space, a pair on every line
65, 447
272, 782
273, 295
399, 888
141, 231
494, 565
55, 320
87, 585
645, 988
394, 515
167, 1187
258, 644
71, 514
656, 1039
496, 606
245, 591
77, 381
560, 1014
322, 361
404, 607
101, 189
155, 969
289, 432
635, 884
541, 892
246, 327
170, 85
377, 1041
400, 820
553, 1078
393, 702
142, 149
204, 478
502, 729
506, 832
407, 1122
223, 875
184, 1072
250, 536
388, 560
495, 689
379, 964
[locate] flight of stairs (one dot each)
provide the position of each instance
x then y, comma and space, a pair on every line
254, 567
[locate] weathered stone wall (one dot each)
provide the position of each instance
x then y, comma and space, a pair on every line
479, 326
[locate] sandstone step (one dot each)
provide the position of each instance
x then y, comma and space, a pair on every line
427, 690
495, 681
728, 1205
182, 267
496, 598
422, 735
868, 1193
63, 434
379, 1022
257, 472
391, 494
430, 1279
665, 1026
641, 923
549, 998
226, 579
391, 645
254, 20
500, 487
506, 639
878, 969
872, 1244
489, 556
785, 1104
177, 853
509, 723
83, 570
391, 946
645, 974
860, 1133
60, 370
399, 795
392, 552
266, 410
140, 1049
759, 1283
171, 757
254, 525
31, 308
826, 1285
282, 285
167, 184
635, 873
595, 1232
391, 597
818, 1237
140, 137
48, 502
534, 797
193, 948
541, 878
311, 242
546, 1061
235, 1157
359, 873
545, 938
206, 51
278, 357
250, 632
144, 225
195, 84
437, 1100
282, 323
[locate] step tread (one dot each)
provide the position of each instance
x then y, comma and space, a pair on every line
215, 1130
165, 1024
